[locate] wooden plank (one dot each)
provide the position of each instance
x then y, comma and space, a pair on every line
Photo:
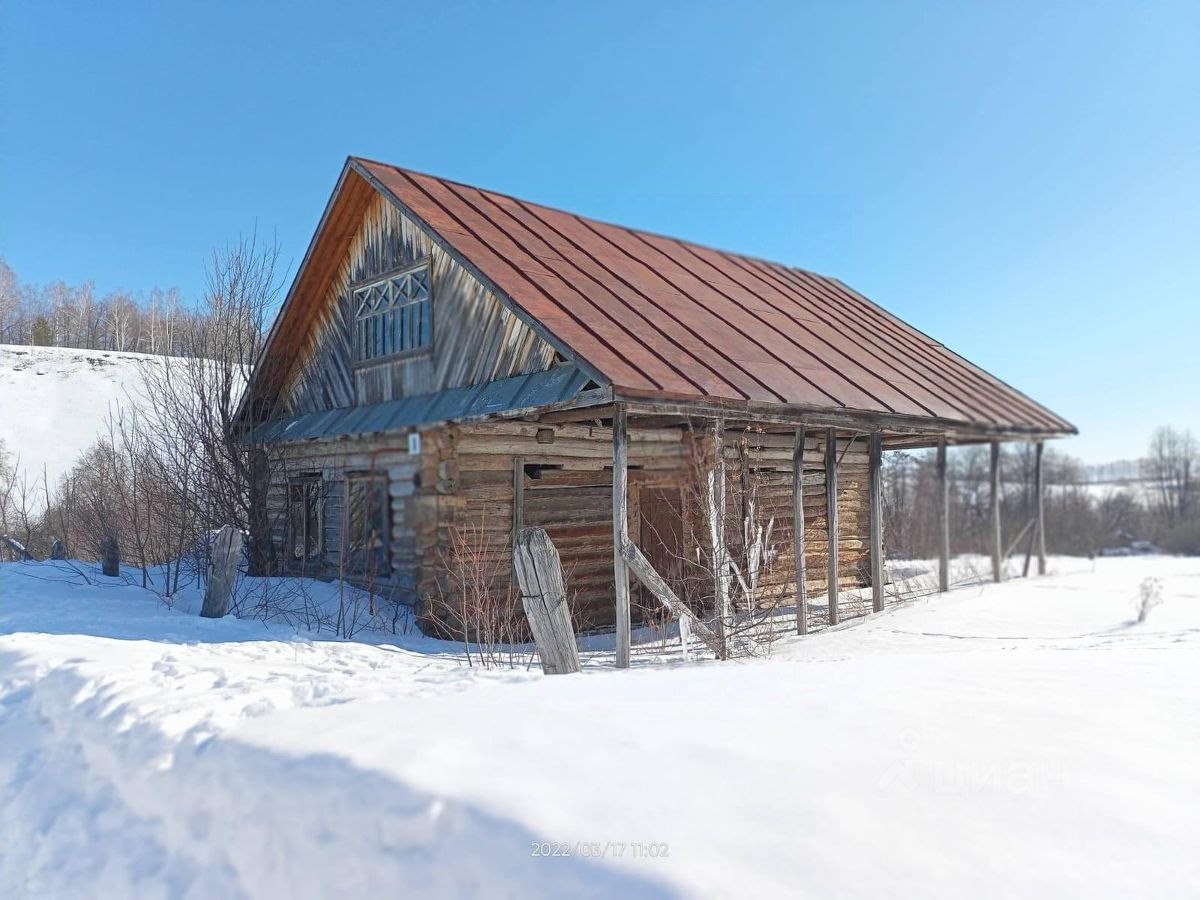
222, 572
1039, 480
831, 525
798, 532
110, 556
648, 575
620, 521
994, 501
876, 525
544, 596
943, 518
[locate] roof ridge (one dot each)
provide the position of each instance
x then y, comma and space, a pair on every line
605, 222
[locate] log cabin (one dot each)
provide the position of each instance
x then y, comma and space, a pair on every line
451, 364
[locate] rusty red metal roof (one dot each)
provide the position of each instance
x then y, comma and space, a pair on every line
660, 317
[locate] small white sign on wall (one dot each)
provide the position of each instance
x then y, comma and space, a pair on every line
414, 443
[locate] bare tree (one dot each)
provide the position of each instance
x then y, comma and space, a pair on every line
192, 399
1171, 466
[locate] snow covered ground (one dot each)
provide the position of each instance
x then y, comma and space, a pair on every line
54, 401
1026, 739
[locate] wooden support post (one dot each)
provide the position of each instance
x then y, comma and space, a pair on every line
997, 537
798, 532
716, 518
875, 473
1039, 481
831, 520
943, 509
518, 506
620, 506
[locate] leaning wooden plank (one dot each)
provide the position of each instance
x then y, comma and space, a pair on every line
222, 572
539, 576
646, 574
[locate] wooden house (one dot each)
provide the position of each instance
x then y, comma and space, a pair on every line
452, 363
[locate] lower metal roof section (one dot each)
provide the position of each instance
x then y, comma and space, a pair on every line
556, 385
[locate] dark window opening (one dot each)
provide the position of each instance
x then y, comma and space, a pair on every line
305, 515
368, 515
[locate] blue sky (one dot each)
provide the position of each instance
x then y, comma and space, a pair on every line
1021, 181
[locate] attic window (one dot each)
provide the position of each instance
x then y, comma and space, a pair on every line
393, 315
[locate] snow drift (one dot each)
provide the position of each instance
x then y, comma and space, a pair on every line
54, 401
1022, 739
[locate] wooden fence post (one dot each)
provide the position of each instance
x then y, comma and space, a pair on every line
110, 556
539, 576
222, 572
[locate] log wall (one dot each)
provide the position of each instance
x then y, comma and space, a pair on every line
567, 489
452, 509
332, 461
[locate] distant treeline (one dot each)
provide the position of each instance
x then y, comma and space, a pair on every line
58, 314
1161, 504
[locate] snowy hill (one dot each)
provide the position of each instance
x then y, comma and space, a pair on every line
1014, 740
54, 401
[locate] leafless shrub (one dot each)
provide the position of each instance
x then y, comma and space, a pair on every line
479, 598
1149, 597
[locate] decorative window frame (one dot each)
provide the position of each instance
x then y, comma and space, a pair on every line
388, 300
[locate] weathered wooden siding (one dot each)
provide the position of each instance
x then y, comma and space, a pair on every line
475, 337
332, 460
567, 489
769, 456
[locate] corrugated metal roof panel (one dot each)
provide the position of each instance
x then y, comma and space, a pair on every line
662, 317
556, 385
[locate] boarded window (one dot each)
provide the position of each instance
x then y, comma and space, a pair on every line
368, 513
393, 315
305, 508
